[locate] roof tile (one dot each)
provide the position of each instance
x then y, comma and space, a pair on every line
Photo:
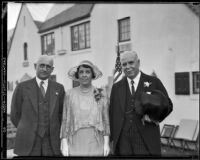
70, 15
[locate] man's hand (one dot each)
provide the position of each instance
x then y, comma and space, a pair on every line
147, 119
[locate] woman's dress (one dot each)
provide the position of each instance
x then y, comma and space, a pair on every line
85, 122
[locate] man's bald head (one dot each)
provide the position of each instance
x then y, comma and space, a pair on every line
45, 58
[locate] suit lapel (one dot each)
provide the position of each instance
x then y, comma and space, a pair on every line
32, 92
53, 96
122, 93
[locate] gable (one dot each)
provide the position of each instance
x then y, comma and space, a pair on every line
75, 13
23, 11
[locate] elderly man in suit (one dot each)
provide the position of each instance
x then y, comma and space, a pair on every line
36, 112
138, 103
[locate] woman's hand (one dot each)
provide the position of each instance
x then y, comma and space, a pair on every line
106, 147
64, 147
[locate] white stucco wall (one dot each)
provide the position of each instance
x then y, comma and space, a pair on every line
166, 37
28, 34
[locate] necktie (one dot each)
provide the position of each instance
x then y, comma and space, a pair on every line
42, 88
132, 87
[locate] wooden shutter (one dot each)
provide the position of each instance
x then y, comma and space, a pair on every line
182, 85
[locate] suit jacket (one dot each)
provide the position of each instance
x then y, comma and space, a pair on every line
24, 115
150, 131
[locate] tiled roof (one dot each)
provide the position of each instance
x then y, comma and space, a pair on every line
38, 23
75, 13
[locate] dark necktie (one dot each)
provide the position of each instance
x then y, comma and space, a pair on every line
42, 88
132, 87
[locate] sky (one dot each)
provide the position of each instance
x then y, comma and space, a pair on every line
39, 12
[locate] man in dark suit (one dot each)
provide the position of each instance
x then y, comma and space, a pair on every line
135, 112
36, 112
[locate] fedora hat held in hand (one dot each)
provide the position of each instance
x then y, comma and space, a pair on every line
155, 105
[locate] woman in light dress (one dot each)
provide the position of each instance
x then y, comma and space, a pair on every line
85, 126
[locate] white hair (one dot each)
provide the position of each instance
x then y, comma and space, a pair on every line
127, 53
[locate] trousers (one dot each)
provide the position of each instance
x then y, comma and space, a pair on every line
42, 147
130, 141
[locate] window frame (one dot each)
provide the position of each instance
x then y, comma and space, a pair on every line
86, 36
128, 32
180, 78
25, 51
44, 42
195, 89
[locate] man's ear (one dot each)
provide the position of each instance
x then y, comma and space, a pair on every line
52, 69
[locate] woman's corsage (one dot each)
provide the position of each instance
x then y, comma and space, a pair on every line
98, 94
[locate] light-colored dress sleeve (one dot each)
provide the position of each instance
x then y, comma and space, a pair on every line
105, 117
66, 118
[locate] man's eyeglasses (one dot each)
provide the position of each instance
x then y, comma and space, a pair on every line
48, 67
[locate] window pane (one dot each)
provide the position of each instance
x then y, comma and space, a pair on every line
75, 38
48, 44
182, 83
81, 36
124, 29
87, 35
196, 82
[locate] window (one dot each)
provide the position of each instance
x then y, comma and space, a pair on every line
25, 52
48, 44
196, 82
182, 83
80, 35
124, 29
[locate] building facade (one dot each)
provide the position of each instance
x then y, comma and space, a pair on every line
166, 37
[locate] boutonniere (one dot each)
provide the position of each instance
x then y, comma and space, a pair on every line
56, 93
98, 94
147, 84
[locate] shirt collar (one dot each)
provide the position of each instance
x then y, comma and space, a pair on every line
39, 81
136, 79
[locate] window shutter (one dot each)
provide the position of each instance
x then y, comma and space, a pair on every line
182, 83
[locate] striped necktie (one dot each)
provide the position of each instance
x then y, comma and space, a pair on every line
132, 88
42, 88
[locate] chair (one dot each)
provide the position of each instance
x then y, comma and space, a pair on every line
194, 143
185, 132
167, 134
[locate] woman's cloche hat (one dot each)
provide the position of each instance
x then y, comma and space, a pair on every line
73, 70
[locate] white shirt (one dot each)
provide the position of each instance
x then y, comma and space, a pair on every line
136, 81
45, 84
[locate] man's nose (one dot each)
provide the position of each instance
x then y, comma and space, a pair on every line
45, 68
128, 66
